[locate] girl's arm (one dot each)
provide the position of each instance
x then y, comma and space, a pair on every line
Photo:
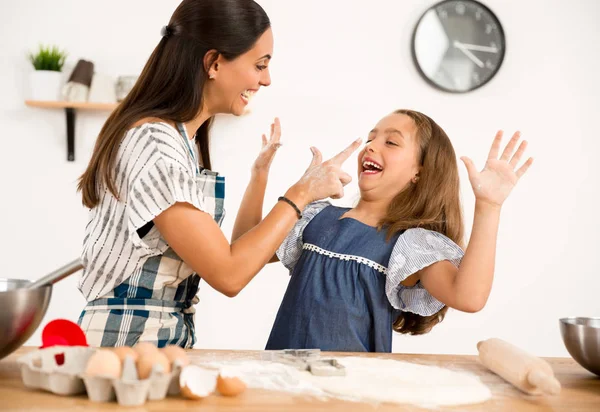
250, 211
468, 287
199, 241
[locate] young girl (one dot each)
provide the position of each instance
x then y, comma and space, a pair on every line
394, 262
155, 205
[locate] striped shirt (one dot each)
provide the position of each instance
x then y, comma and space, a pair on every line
154, 170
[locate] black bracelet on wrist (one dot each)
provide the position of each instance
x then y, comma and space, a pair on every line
292, 204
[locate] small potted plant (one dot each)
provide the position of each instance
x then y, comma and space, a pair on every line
45, 80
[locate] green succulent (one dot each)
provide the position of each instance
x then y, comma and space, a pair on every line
48, 58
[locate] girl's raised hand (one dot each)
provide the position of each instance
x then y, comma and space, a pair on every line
495, 182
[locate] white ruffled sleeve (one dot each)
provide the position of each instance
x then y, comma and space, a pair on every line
290, 250
416, 249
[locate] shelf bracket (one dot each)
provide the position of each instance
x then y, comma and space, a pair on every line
70, 133
70, 109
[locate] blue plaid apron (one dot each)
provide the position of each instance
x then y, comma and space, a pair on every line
156, 305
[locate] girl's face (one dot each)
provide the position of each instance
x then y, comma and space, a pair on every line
234, 82
389, 161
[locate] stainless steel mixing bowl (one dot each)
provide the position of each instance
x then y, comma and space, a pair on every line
582, 339
21, 311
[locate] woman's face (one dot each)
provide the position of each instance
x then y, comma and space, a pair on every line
234, 82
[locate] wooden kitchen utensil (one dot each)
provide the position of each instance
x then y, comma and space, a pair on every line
528, 373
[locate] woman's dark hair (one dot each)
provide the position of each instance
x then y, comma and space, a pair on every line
170, 86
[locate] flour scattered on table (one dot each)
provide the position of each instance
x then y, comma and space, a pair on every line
368, 380
269, 375
384, 380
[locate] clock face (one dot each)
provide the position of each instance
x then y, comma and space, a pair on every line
458, 45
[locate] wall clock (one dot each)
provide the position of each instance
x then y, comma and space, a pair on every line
458, 45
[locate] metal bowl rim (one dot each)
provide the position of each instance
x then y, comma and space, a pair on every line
24, 282
569, 321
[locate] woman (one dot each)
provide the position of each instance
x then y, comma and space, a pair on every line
155, 204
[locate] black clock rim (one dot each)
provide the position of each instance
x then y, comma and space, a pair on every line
430, 81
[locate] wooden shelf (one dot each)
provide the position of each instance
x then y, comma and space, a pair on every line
69, 108
71, 105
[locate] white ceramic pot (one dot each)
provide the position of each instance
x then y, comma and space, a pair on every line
45, 85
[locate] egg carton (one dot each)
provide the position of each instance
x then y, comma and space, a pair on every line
61, 370
56, 369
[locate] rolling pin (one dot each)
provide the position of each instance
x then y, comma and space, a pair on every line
528, 373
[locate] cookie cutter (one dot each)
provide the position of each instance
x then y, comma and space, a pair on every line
300, 354
296, 358
305, 354
306, 360
326, 367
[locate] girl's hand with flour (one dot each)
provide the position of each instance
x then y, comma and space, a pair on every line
499, 176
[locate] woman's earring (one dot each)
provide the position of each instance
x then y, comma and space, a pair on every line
211, 76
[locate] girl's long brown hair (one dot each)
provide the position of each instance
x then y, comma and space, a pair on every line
432, 203
171, 84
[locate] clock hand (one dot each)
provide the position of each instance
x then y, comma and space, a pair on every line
470, 55
476, 47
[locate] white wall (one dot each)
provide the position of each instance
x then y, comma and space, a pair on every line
338, 67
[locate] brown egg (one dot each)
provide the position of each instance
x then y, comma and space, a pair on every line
144, 348
230, 385
104, 363
123, 351
196, 382
174, 352
145, 363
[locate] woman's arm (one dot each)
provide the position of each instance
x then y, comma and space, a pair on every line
468, 287
250, 211
199, 241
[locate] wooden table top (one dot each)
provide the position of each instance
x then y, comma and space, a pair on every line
580, 390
